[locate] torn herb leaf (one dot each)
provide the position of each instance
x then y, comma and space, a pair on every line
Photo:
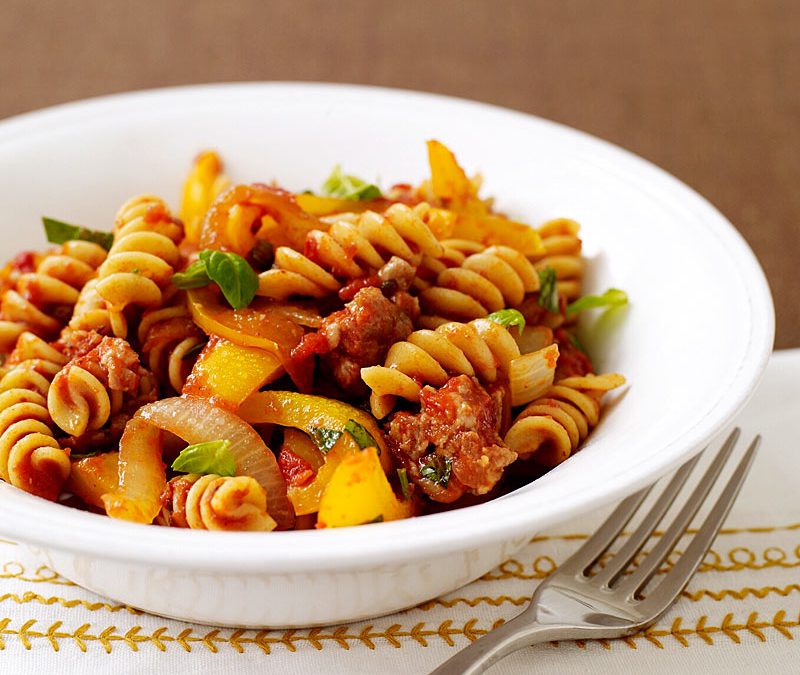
325, 439
548, 290
58, 232
343, 186
436, 469
508, 318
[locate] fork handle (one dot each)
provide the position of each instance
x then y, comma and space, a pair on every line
513, 635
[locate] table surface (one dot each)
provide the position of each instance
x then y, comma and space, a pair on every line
707, 90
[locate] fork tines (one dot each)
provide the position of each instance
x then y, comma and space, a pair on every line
613, 575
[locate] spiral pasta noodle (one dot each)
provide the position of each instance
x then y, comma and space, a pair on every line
90, 311
214, 502
563, 254
350, 249
480, 348
30, 457
167, 337
485, 281
84, 394
141, 261
551, 428
37, 302
79, 402
445, 315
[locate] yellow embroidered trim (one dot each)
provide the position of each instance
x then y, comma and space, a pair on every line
474, 602
694, 596
9, 542
738, 558
658, 533
69, 604
728, 627
742, 593
241, 640
395, 635
13, 569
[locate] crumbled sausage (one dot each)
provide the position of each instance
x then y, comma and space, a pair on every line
114, 363
76, 343
461, 423
358, 335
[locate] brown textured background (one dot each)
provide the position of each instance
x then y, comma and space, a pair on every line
708, 89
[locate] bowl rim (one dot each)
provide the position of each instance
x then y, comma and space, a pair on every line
50, 525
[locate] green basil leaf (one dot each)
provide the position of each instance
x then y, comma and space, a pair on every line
402, 475
436, 469
613, 297
59, 233
548, 290
195, 276
508, 318
325, 439
343, 186
232, 273
205, 458
361, 436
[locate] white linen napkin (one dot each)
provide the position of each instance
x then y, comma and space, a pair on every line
741, 612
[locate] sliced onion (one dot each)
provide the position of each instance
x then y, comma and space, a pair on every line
531, 375
195, 420
141, 475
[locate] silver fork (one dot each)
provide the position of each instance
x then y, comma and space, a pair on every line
572, 605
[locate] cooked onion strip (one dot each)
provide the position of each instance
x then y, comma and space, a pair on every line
141, 474
531, 375
196, 420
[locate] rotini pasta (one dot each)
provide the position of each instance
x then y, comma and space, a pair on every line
485, 281
169, 340
213, 502
481, 348
350, 249
551, 428
30, 457
563, 254
90, 388
141, 261
41, 301
90, 311
271, 320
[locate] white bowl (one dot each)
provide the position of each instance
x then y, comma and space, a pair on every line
693, 343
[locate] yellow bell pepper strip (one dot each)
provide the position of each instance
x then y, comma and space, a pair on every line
92, 477
471, 218
306, 498
495, 230
314, 415
299, 460
323, 420
257, 325
319, 205
450, 183
203, 185
274, 327
358, 493
232, 223
227, 373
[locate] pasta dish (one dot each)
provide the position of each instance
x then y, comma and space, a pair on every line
268, 360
